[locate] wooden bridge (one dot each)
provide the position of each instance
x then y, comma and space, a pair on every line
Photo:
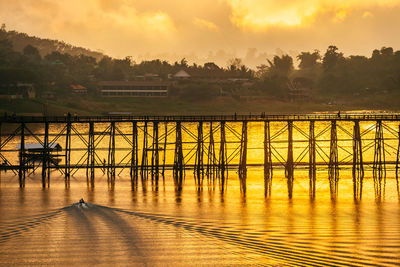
145, 146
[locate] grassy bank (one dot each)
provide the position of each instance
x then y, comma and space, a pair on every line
170, 105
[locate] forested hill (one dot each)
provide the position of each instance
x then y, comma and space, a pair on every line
47, 46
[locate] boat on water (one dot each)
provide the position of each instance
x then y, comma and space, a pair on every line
81, 204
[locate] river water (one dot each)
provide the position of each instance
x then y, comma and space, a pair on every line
162, 226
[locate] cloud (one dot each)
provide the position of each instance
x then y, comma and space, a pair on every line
205, 24
204, 29
260, 15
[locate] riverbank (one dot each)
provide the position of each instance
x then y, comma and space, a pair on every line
176, 106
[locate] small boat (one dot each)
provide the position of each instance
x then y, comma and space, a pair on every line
81, 204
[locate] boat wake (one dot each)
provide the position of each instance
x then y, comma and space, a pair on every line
95, 224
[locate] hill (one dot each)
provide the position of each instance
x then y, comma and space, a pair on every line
46, 46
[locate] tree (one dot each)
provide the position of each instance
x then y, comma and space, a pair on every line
387, 51
32, 52
184, 63
211, 66
308, 60
331, 58
281, 66
234, 64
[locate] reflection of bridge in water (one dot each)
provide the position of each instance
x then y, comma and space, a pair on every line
217, 144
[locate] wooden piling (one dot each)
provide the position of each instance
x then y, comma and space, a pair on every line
289, 168
199, 166
178, 159
21, 172
45, 157
358, 165
134, 156
243, 149
379, 165
267, 160
333, 166
111, 155
312, 162
243, 158
67, 170
144, 167
1, 145
155, 159
1, 155
91, 156
211, 155
164, 148
222, 168
398, 164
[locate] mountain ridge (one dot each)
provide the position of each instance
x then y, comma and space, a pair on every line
47, 46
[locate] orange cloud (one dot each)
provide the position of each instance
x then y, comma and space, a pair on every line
259, 15
205, 24
208, 29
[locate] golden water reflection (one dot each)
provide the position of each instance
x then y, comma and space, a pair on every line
164, 226
156, 224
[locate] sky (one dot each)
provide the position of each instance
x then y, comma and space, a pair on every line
209, 30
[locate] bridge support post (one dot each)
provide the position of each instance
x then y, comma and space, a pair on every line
358, 165
134, 156
267, 160
333, 167
223, 157
379, 166
45, 158
165, 148
67, 170
289, 168
155, 159
143, 167
312, 163
1, 156
211, 155
22, 170
178, 160
199, 166
111, 155
243, 158
91, 156
398, 165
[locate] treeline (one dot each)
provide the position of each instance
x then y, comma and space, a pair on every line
45, 46
328, 74
332, 74
56, 71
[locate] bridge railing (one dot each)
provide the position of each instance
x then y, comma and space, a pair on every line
194, 118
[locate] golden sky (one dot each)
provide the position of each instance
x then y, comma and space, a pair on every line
206, 30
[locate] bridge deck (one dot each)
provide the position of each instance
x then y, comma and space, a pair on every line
206, 118
187, 166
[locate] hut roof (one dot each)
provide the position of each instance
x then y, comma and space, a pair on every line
182, 74
38, 146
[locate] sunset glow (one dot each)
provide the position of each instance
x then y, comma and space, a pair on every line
176, 29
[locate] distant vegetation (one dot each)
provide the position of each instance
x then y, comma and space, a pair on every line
327, 77
331, 75
45, 46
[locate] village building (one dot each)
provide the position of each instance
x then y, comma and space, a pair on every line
34, 153
300, 89
49, 95
17, 91
182, 75
133, 88
78, 89
208, 75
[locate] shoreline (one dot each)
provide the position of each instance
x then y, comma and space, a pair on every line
176, 106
